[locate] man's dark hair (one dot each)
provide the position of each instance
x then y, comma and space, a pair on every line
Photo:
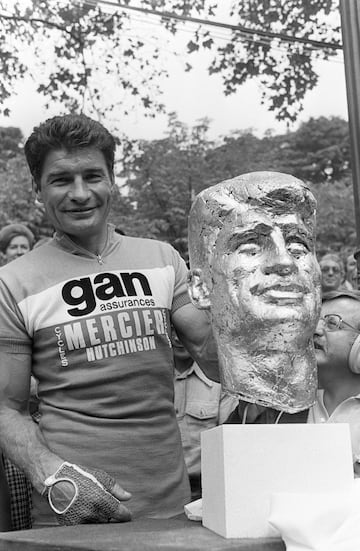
69, 132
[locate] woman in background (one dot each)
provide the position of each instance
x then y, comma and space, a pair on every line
15, 240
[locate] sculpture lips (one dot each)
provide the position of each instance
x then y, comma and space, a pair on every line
286, 288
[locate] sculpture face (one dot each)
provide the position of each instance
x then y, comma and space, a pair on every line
265, 272
263, 290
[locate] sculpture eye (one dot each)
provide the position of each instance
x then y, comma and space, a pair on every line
250, 248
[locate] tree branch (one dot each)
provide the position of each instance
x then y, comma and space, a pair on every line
41, 21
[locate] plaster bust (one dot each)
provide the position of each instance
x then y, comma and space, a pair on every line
253, 265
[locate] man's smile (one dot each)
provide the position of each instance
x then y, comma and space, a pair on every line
318, 345
80, 210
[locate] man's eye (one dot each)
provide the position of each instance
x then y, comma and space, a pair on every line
94, 177
331, 324
60, 181
297, 248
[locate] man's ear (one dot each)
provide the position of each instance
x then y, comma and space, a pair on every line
198, 290
38, 199
36, 192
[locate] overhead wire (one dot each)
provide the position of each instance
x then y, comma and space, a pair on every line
262, 37
209, 22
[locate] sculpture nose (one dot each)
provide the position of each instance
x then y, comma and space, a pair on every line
279, 260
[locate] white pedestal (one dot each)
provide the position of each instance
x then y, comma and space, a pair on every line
242, 465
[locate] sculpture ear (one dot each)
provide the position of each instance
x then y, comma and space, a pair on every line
198, 290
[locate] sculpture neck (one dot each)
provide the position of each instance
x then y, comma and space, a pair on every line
285, 380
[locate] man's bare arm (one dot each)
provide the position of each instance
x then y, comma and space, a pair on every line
194, 330
23, 443
21, 438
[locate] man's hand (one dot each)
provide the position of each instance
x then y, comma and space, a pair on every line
80, 495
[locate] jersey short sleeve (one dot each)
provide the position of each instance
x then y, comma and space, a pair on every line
13, 335
181, 296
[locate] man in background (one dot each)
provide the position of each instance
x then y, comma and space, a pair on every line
337, 348
332, 272
200, 404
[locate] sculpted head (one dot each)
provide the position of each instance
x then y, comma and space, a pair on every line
253, 264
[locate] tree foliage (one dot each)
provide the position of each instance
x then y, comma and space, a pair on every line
275, 41
163, 179
157, 186
166, 174
89, 56
317, 151
335, 217
79, 55
16, 197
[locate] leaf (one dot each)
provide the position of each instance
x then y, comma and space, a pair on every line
192, 46
208, 43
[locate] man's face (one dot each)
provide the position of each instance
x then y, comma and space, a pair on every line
332, 348
331, 274
75, 187
264, 272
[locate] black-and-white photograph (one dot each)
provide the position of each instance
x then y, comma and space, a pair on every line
179, 275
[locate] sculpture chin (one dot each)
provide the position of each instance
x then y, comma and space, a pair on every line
265, 347
280, 377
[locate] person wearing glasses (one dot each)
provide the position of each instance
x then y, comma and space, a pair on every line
337, 349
